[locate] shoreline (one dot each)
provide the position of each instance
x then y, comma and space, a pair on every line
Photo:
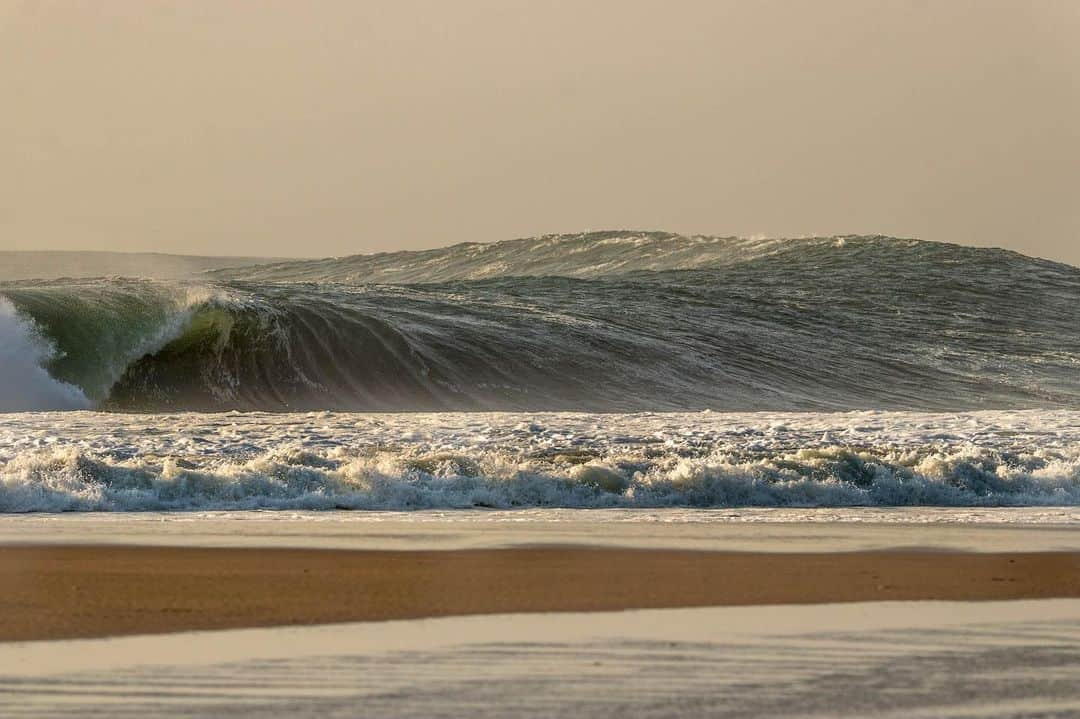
767, 531
85, 591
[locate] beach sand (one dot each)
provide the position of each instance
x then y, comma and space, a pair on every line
58, 592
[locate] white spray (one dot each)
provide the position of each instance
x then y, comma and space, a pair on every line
24, 383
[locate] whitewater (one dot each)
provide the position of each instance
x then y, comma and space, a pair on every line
408, 461
608, 370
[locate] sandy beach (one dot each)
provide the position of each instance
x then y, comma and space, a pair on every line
561, 613
58, 592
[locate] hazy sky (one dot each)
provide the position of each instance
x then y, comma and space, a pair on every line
334, 127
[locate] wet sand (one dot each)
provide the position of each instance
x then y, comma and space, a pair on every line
888, 660
58, 592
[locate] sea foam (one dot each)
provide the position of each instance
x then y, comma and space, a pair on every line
326, 461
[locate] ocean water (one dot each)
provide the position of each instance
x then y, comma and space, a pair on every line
618, 370
94, 461
613, 322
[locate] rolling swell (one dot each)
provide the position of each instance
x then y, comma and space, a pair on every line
589, 254
828, 323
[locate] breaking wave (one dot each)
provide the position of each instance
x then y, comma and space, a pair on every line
600, 322
833, 476
26, 385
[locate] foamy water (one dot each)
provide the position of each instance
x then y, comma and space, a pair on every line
88, 461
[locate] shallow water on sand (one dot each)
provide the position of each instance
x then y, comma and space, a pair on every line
1009, 529
923, 659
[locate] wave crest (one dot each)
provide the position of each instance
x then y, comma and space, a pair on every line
810, 324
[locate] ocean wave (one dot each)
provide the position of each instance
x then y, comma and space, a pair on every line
620, 253
823, 324
587, 254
